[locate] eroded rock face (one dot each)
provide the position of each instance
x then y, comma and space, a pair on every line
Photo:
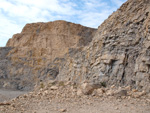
119, 53
35, 54
50, 40
14, 75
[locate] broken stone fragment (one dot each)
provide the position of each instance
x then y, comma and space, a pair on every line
53, 87
121, 93
87, 88
63, 110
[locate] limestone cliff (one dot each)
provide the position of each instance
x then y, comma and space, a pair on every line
50, 40
119, 53
29, 55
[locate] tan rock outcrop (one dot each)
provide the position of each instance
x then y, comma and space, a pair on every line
50, 40
35, 54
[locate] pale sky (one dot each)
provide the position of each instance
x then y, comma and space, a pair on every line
14, 14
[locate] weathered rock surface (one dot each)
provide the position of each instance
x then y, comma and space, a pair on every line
14, 75
50, 40
119, 54
34, 54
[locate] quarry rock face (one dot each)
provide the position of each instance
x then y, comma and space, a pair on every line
117, 54
50, 40
33, 55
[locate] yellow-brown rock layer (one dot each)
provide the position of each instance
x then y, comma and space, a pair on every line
50, 40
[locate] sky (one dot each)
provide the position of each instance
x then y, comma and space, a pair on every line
14, 14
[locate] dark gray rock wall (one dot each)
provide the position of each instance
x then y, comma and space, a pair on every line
13, 75
119, 53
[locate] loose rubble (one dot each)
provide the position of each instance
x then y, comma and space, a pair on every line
45, 97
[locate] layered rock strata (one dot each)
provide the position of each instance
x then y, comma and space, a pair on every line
119, 53
33, 55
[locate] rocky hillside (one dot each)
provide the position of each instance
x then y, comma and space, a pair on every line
119, 53
28, 57
90, 71
50, 40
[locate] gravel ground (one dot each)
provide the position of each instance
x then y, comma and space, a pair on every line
6, 95
65, 99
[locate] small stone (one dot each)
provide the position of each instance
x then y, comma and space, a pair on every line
25, 96
68, 83
113, 86
148, 100
119, 100
45, 92
100, 92
116, 108
129, 97
79, 92
134, 90
122, 93
125, 104
128, 88
110, 93
149, 38
63, 110
54, 88
87, 88
123, 97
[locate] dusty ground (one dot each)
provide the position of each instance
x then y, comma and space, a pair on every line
9, 94
65, 99
88, 105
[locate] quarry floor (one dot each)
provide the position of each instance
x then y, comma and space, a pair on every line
56, 103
